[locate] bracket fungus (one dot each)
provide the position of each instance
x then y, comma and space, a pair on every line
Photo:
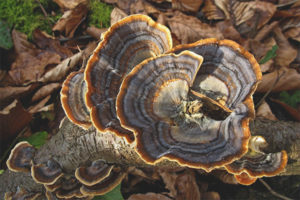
20, 157
256, 163
47, 173
21, 194
197, 116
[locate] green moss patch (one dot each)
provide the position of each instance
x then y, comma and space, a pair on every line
99, 15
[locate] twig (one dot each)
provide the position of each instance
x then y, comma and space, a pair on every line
270, 90
44, 12
272, 191
83, 37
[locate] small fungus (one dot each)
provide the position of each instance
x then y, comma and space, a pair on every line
257, 163
72, 99
20, 157
93, 174
70, 188
244, 178
21, 194
105, 185
197, 116
47, 173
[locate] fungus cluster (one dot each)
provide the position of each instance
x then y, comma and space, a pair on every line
190, 104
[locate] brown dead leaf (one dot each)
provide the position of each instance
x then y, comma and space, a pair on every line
12, 123
61, 70
266, 67
37, 107
95, 32
224, 176
69, 4
71, 19
9, 93
46, 42
21, 43
247, 16
211, 196
229, 32
187, 5
45, 91
293, 33
187, 187
169, 179
143, 7
291, 28
189, 29
260, 49
285, 53
289, 80
292, 111
211, 11
116, 15
148, 196
265, 111
29, 68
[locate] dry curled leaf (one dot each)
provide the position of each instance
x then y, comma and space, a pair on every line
265, 111
95, 32
285, 79
229, 32
148, 196
37, 107
189, 29
21, 43
285, 53
69, 4
46, 42
8, 93
211, 11
45, 91
169, 179
116, 15
211, 196
70, 20
292, 111
187, 5
186, 186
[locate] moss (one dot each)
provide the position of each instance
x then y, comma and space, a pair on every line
26, 15
99, 15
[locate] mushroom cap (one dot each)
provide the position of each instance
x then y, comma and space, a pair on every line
70, 188
20, 157
72, 97
245, 179
93, 174
52, 187
124, 45
170, 121
47, 173
106, 185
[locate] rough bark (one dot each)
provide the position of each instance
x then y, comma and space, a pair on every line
73, 147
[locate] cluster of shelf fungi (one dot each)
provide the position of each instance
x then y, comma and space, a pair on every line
190, 104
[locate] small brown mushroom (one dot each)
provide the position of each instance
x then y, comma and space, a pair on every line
257, 163
47, 173
106, 185
72, 99
20, 157
197, 116
126, 43
21, 194
93, 174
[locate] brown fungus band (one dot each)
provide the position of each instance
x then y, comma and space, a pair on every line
127, 43
72, 99
197, 118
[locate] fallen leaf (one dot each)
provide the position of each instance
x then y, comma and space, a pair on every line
29, 68
266, 67
9, 93
187, 5
265, 111
225, 177
95, 32
69, 4
211, 196
186, 186
70, 20
116, 15
21, 43
260, 49
285, 53
61, 70
46, 42
143, 7
190, 29
37, 107
292, 111
148, 196
293, 33
169, 179
45, 91
12, 123
289, 80
229, 32
211, 11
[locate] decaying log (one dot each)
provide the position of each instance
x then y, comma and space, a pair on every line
73, 147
